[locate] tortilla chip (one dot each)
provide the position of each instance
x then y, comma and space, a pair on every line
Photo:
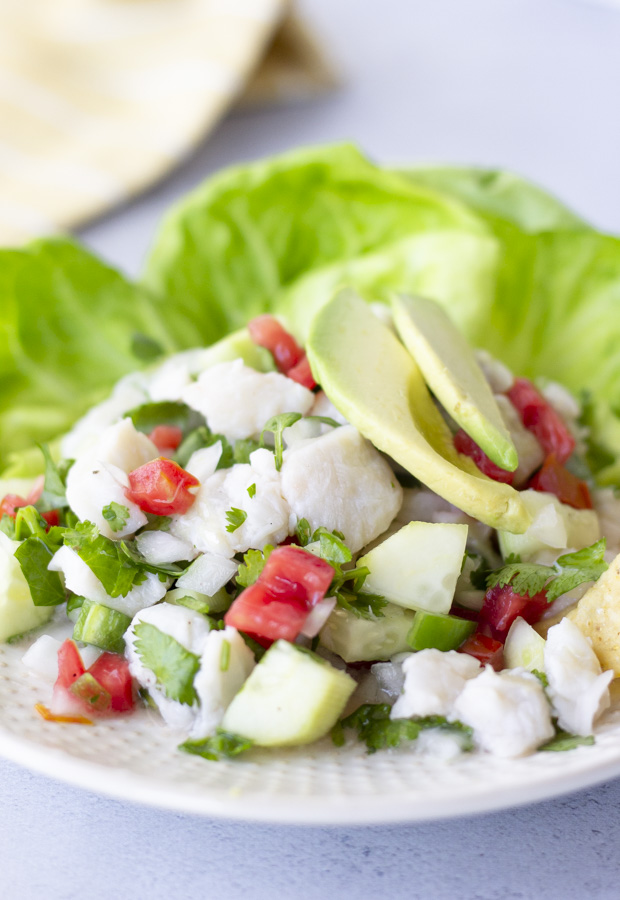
597, 615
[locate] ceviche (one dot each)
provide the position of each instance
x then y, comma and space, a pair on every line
377, 533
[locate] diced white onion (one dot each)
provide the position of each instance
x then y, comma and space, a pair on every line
208, 574
318, 617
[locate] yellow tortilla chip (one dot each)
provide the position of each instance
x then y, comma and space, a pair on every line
597, 615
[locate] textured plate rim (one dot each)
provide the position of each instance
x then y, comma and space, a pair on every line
125, 785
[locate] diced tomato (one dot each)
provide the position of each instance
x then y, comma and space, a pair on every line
554, 478
302, 373
267, 332
166, 437
161, 487
111, 671
541, 419
70, 665
10, 504
464, 444
108, 674
277, 605
502, 606
485, 649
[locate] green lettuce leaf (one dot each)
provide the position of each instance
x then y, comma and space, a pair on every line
67, 327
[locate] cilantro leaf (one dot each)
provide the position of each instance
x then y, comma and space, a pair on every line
7, 526
541, 677
276, 425
173, 666
200, 438
376, 729
148, 416
565, 741
54, 494
252, 566
363, 605
252, 491
105, 558
223, 744
243, 448
34, 556
236, 518
116, 515
567, 573
575, 568
303, 532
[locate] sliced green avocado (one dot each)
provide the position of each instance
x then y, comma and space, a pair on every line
450, 369
370, 377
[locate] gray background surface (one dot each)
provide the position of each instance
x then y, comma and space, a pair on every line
530, 85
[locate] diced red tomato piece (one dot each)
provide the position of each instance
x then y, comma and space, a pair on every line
554, 478
10, 504
485, 649
70, 665
52, 517
302, 373
111, 671
541, 419
161, 487
259, 613
464, 444
166, 437
276, 607
267, 332
502, 606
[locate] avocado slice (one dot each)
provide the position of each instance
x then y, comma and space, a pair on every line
372, 379
451, 371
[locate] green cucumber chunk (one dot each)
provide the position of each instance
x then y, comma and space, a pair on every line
363, 640
18, 614
292, 697
101, 626
202, 603
438, 631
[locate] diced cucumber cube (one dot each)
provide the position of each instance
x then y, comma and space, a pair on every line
524, 647
292, 697
418, 567
101, 626
439, 631
357, 640
18, 613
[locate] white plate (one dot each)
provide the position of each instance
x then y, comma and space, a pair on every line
135, 759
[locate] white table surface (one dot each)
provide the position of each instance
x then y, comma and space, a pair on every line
527, 84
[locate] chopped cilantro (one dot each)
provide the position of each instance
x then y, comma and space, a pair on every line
252, 491
276, 425
363, 605
200, 438
541, 677
54, 487
117, 572
236, 518
223, 744
565, 741
242, 450
570, 570
34, 556
7, 526
252, 566
115, 515
225, 656
173, 666
148, 416
303, 532
376, 729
